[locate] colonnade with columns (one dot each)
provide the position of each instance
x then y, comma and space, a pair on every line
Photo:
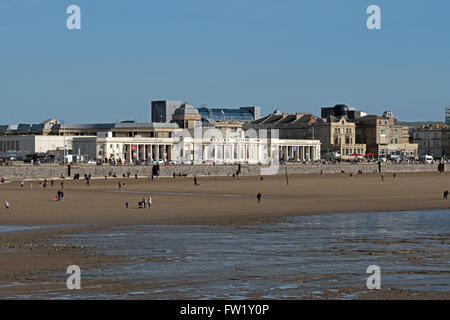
228, 150
299, 152
249, 150
134, 151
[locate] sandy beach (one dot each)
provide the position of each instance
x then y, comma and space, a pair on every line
222, 201
24, 262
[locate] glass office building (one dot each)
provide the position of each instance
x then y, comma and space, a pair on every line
221, 114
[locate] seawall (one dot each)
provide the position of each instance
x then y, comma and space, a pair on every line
53, 171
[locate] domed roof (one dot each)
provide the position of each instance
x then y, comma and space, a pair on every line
186, 108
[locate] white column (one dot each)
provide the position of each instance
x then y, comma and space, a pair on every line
157, 152
129, 160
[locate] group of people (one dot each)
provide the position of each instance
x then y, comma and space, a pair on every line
179, 175
59, 196
145, 203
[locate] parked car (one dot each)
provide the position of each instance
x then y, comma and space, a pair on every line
187, 162
427, 159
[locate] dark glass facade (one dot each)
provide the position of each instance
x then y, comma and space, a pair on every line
217, 114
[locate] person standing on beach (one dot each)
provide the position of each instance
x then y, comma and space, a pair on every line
52, 182
195, 181
21, 184
31, 187
6, 205
382, 177
149, 202
445, 195
126, 204
62, 184
259, 196
120, 185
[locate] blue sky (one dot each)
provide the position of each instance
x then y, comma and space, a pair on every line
293, 55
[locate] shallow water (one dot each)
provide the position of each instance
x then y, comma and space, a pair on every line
20, 228
305, 256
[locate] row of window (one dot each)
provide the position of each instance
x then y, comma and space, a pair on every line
342, 130
9, 146
338, 141
349, 151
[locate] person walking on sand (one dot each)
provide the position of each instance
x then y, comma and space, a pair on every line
144, 202
259, 196
445, 195
6, 205
382, 177
31, 187
21, 184
120, 185
149, 202
62, 184
126, 204
195, 181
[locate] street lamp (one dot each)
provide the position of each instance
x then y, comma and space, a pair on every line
64, 139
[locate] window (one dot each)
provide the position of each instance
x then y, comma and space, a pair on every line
383, 132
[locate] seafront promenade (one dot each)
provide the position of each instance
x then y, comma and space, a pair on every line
27, 171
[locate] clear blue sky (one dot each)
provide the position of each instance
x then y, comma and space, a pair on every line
294, 55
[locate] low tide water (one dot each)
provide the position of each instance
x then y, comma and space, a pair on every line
300, 257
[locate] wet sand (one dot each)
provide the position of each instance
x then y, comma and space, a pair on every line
34, 261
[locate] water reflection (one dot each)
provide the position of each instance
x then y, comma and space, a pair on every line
295, 258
